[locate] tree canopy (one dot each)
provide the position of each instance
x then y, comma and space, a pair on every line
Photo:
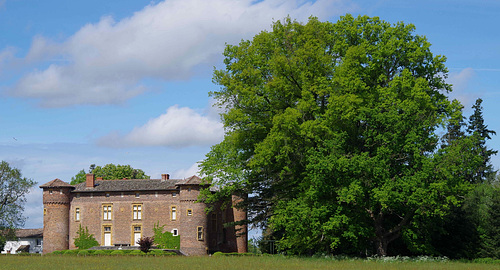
13, 190
110, 172
333, 130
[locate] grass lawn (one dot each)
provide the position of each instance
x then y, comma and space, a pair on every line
177, 262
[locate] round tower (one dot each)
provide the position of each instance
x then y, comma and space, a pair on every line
56, 207
240, 214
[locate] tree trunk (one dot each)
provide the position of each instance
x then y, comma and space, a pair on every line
381, 246
384, 237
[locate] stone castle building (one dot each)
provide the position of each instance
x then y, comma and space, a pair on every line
119, 212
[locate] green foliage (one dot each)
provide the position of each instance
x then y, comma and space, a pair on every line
85, 240
83, 253
117, 253
13, 190
334, 130
110, 172
491, 238
99, 252
137, 252
165, 240
71, 252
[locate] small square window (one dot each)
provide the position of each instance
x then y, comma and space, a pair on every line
175, 232
137, 194
50, 191
107, 194
174, 194
189, 212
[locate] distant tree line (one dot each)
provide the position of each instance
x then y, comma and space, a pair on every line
110, 172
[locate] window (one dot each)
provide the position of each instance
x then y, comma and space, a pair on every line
50, 191
137, 194
60, 191
189, 189
199, 235
44, 211
137, 211
107, 194
78, 195
77, 214
106, 211
190, 212
175, 232
173, 213
174, 194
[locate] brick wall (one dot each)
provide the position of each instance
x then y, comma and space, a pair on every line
55, 219
156, 208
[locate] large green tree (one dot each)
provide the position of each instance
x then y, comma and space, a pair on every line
13, 190
110, 172
332, 128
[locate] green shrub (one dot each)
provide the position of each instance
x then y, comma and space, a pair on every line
85, 240
100, 252
157, 252
71, 252
487, 260
83, 253
137, 253
117, 252
218, 253
57, 252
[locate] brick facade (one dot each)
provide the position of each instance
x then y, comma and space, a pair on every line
116, 212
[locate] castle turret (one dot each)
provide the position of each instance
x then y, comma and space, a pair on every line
194, 220
240, 214
56, 205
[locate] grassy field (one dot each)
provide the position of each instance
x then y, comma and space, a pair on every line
176, 262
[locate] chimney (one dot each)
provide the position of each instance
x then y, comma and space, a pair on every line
90, 180
165, 176
168, 176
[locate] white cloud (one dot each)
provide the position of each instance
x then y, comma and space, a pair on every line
184, 173
178, 127
104, 62
460, 81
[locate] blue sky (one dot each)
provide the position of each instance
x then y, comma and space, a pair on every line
127, 82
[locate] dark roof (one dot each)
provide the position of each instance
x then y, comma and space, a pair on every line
56, 183
193, 180
136, 184
29, 233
